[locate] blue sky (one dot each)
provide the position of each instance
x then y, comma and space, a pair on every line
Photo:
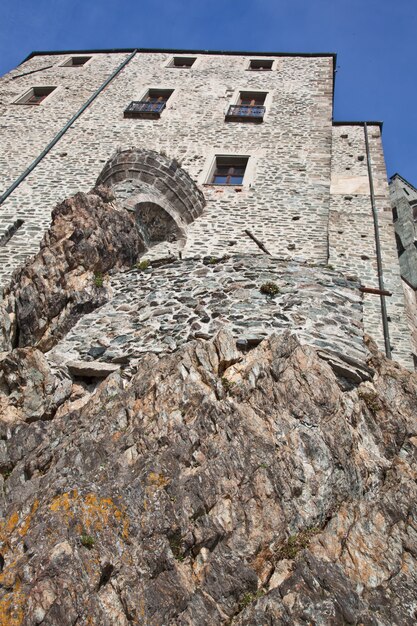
375, 40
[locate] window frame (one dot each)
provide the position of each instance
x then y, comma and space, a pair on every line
159, 98
206, 177
24, 99
260, 60
67, 62
171, 62
262, 96
230, 171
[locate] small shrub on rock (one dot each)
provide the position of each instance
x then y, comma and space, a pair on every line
87, 541
371, 399
98, 279
227, 384
270, 289
143, 265
296, 543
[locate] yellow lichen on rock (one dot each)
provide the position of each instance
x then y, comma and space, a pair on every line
93, 513
12, 606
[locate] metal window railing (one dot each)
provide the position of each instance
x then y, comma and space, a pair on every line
248, 112
144, 108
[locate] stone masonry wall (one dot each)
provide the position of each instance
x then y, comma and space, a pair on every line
404, 201
351, 232
160, 308
287, 204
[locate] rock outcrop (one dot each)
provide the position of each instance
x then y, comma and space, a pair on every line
215, 480
216, 488
89, 236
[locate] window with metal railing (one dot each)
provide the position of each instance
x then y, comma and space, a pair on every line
249, 108
151, 106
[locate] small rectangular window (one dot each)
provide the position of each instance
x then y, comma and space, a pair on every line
77, 61
35, 95
252, 98
183, 62
228, 170
261, 64
151, 106
249, 108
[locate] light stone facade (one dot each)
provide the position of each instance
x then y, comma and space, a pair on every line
306, 193
404, 208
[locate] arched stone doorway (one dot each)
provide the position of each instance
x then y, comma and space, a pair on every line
163, 196
156, 224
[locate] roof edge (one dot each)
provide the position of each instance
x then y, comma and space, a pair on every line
396, 175
359, 123
184, 51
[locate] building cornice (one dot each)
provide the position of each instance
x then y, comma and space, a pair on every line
184, 51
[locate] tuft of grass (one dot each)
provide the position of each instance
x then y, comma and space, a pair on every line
371, 399
296, 543
248, 598
177, 549
98, 279
143, 265
269, 289
227, 384
87, 541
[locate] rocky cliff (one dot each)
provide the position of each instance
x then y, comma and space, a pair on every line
206, 485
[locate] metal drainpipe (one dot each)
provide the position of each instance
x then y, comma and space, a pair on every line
62, 132
378, 248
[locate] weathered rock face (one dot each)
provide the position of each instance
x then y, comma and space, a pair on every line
240, 477
216, 487
88, 237
29, 390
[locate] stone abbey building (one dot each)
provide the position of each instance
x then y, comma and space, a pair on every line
194, 428
235, 170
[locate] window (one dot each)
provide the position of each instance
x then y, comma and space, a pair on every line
400, 247
76, 61
151, 106
394, 214
249, 108
260, 64
228, 170
183, 62
249, 98
35, 95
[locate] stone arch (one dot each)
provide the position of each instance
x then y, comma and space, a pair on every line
151, 173
156, 224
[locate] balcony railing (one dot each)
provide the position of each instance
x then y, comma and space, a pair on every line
245, 113
144, 109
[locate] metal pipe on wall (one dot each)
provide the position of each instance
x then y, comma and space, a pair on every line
378, 248
62, 132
